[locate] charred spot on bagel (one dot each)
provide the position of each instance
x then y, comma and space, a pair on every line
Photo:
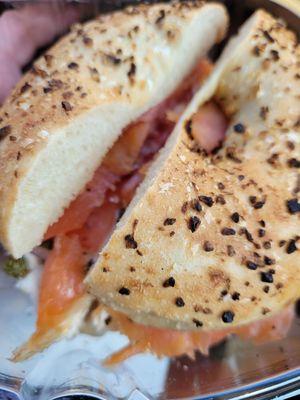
48, 59
296, 189
265, 310
25, 88
184, 207
230, 250
267, 244
5, 131
66, 106
208, 246
169, 221
112, 59
87, 41
275, 55
266, 289
132, 72
264, 110
220, 199
198, 323
268, 36
273, 159
228, 231
130, 243
188, 128
231, 154
160, 17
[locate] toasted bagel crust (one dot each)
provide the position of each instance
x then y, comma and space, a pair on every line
69, 109
252, 267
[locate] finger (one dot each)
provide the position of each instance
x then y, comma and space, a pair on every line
10, 73
23, 30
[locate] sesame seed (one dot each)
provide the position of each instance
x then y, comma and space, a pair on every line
124, 291
268, 260
261, 232
207, 200
266, 277
235, 217
195, 204
170, 282
235, 296
293, 206
251, 265
291, 246
228, 317
239, 128
73, 65
194, 223
293, 163
179, 302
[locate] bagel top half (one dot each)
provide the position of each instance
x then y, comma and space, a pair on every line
234, 258
66, 112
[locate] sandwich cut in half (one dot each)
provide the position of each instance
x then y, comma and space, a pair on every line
78, 134
209, 245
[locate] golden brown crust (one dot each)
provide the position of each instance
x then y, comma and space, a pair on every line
101, 76
214, 239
